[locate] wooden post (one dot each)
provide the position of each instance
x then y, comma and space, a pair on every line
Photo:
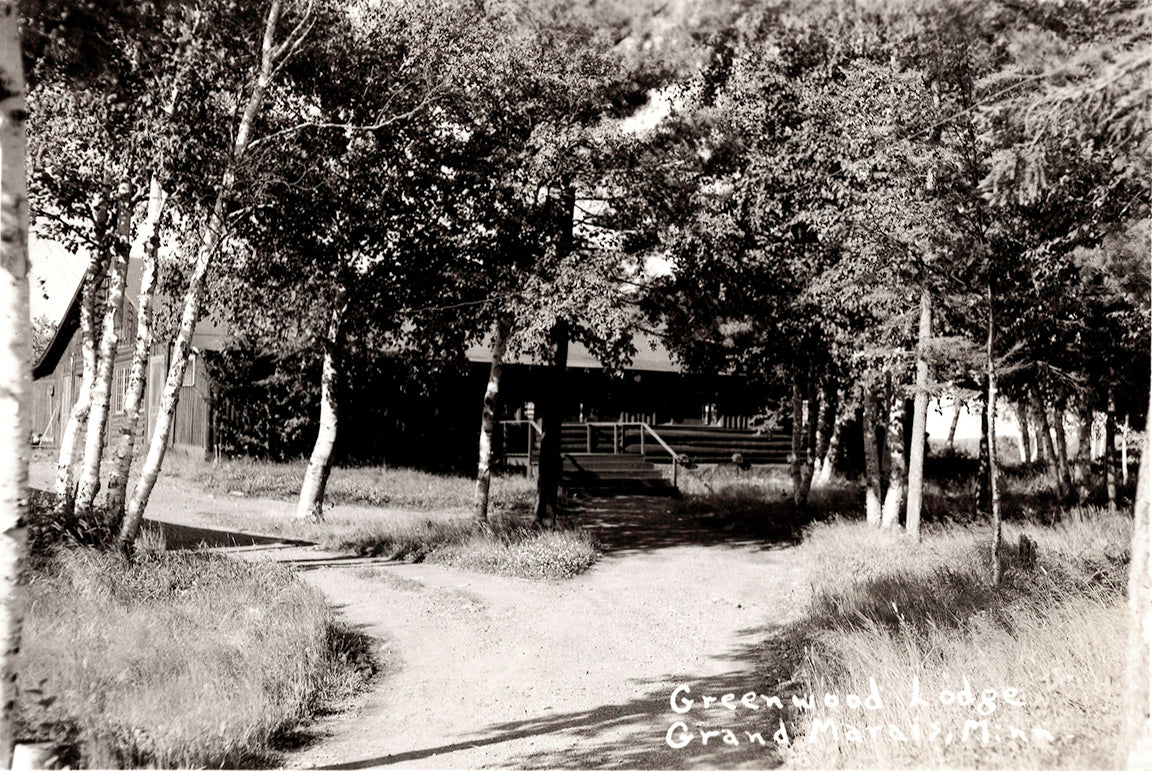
529, 466
615, 438
642, 432
588, 436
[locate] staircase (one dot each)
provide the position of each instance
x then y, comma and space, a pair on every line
607, 474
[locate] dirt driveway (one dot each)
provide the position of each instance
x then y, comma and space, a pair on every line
487, 671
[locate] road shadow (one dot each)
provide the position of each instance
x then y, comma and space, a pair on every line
632, 523
181, 537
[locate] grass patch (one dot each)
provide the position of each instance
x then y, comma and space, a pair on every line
500, 547
888, 609
177, 659
366, 485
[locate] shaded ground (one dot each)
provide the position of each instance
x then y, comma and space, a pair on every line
491, 671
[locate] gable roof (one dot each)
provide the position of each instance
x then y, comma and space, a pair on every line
208, 335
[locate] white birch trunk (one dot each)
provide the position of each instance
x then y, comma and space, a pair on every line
843, 415
134, 399
15, 363
872, 487
78, 415
488, 420
109, 346
916, 451
311, 502
210, 241
894, 498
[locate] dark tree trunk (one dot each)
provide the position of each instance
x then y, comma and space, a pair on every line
1062, 447
551, 463
993, 467
1110, 450
1051, 458
983, 491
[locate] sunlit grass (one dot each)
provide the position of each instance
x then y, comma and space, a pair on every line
891, 610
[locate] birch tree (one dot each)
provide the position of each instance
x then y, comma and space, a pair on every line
276, 47
15, 364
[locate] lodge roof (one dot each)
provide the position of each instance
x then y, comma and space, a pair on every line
651, 355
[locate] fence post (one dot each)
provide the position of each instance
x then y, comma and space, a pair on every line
588, 436
528, 468
643, 430
675, 471
615, 438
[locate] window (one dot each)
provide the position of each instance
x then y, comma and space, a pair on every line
119, 389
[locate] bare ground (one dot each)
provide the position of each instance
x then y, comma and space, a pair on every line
489, 671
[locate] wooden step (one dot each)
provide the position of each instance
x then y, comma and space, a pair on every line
608, 474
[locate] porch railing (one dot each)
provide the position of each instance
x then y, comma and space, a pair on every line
647, 435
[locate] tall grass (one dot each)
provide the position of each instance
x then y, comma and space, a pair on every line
366, 485
891, 610
173, 660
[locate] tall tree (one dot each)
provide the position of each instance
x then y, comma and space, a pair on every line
15, 363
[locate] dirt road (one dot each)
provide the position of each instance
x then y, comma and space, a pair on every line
510, 673
487, 671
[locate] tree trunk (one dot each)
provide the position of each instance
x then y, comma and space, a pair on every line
919, 421
802, 440
824, 424
1027, 452
993, 465
894, 497
1137, 714
210, 241
1083, 458
109, 347
311, 503
78, 416
134, 399
1125, 430
551, 462
1050, 455
798, 434
1042, 445
959, 405
832, 453
983, 490
15, 364
872, 504
1110, 450
488, 419
1062, 446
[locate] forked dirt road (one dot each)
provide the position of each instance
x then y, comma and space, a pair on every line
488, 671
510, 673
